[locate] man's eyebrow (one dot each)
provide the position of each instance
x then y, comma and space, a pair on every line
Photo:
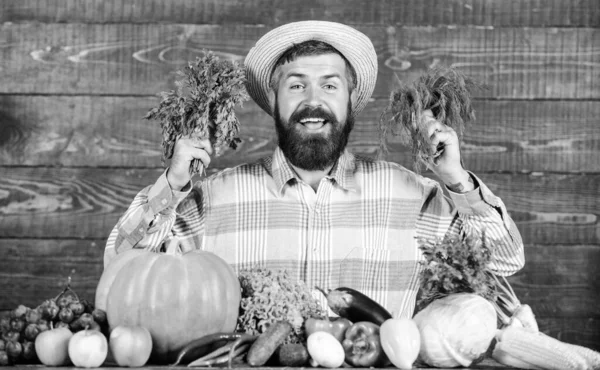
295, 74
303, 75
332, 75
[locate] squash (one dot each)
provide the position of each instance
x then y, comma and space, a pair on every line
177, 296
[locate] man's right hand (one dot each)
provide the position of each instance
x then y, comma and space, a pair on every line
185, 151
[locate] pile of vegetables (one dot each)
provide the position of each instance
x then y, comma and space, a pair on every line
373, 340
467, 306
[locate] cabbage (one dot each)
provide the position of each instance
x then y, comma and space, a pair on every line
456, 329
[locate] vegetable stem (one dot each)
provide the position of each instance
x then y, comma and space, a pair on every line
322, 291
246, 339
223, 358
214, 354
199, 346
507, 297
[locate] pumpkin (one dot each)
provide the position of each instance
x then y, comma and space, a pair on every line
177, 296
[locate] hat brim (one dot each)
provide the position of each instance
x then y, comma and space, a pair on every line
355, 46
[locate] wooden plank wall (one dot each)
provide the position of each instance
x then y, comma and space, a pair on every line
76, 78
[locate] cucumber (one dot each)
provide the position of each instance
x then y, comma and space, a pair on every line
266, 344
355, 306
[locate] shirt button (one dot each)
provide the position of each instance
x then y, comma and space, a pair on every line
141, 229
164, 202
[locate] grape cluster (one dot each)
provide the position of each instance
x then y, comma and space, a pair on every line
23, 324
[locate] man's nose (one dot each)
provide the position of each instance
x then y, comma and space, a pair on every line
313, 98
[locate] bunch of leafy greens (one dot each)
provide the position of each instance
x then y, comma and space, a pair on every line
269, 296
206, 95
446, 92
455, 264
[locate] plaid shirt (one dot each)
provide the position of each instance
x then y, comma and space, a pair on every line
357, 230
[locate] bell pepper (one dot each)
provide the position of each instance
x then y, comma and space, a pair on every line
337, 328
362, 345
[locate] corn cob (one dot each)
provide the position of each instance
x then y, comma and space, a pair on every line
591, 357
503, 357
538, 349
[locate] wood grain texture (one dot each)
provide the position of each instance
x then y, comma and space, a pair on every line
140, 59
50, 202
82, 131
70, 202
560, 280
581, 331
531, 13
551, 208
34, 270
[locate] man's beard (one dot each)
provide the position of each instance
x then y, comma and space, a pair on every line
312, 152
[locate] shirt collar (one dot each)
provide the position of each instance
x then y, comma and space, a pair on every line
342, 172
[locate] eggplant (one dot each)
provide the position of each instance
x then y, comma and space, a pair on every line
355, 306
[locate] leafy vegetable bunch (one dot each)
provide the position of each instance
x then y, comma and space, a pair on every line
206, 95
269, 296
456, 264
446, 92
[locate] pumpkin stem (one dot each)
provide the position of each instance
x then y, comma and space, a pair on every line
173, 246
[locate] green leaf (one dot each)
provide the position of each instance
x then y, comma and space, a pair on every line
208, 87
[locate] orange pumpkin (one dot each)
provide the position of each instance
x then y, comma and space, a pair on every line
177, 296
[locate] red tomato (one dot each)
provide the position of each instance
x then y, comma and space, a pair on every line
130, 345
401, 341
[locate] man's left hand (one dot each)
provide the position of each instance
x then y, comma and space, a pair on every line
446, 162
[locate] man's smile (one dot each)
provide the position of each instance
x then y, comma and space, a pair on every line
313, 124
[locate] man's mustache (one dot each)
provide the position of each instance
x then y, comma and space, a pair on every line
307, 112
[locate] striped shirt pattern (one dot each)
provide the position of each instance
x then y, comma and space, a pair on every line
357, 230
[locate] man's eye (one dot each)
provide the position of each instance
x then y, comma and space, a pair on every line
296, 86
330, 87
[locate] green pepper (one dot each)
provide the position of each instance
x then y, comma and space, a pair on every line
337, 328
363, 346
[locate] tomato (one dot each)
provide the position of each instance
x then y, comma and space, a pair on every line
88, 348
401, 341
130, 345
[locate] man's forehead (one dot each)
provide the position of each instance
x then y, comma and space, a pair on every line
323, 65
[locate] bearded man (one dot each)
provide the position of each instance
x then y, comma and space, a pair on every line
327, 217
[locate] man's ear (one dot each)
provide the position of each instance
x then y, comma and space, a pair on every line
354, 97
272, 98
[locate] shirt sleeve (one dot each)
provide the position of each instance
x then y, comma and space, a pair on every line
148, 220
477, 212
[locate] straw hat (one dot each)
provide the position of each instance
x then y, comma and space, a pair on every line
354, 45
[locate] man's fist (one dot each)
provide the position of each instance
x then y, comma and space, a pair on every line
185, 151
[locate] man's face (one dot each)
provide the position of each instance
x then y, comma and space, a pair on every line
312, 110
